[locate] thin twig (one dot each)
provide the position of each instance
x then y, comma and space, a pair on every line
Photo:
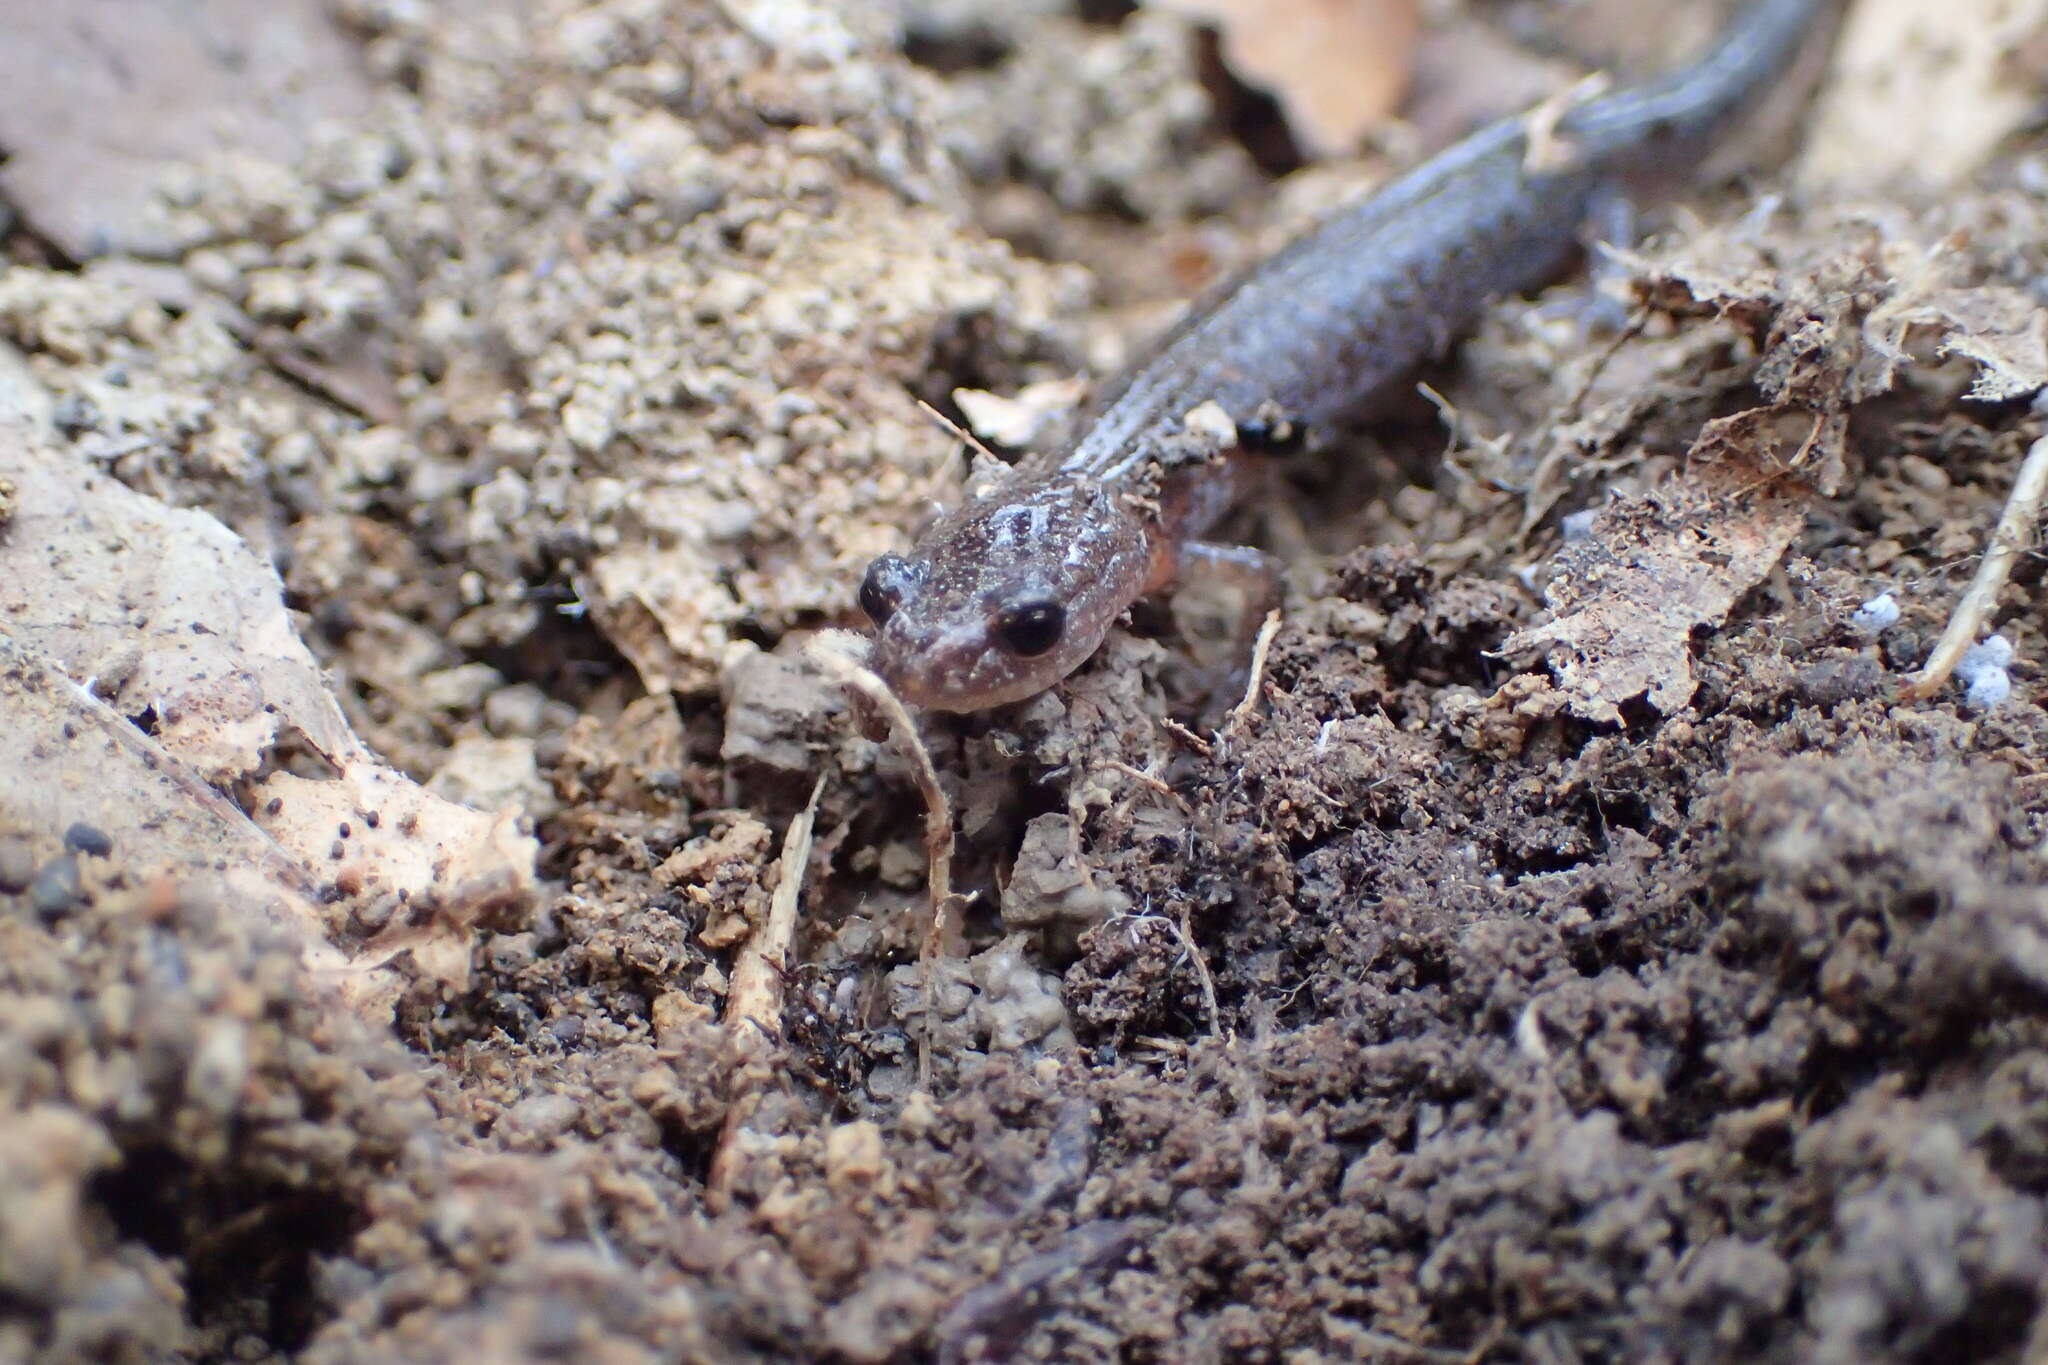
1242, 711
758, 969
959, 432
1186, 736
2015, 525
1145, 779
753, 1004
942, 932
1185, 934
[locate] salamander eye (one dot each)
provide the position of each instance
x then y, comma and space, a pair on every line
889, 579
1029, 628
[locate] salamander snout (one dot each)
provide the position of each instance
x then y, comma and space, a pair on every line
1002, 599
957, 651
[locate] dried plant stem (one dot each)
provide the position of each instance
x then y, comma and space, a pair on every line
753, 1003
2015, 526
1184, 931
757, 972
942, 932
1243, 710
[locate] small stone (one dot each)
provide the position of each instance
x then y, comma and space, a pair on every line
853, 1156
89, 840
57, 889
17, 863
219, 1068
537, 1120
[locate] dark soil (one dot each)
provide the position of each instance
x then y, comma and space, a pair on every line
1404, 1016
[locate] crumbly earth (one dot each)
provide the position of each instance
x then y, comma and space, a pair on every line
1405, 1014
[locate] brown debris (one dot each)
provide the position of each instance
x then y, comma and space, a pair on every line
1337, 67
1419, 1018
102, 105
1650, 570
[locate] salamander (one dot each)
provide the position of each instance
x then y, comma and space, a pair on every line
1014, 589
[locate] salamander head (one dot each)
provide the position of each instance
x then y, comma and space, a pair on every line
1004, 597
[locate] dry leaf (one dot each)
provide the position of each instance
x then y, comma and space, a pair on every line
1022, 418
1337, 67
168, 615
1838, 305
1923, 92
70, 757
164, 609
103, 99
1627, 598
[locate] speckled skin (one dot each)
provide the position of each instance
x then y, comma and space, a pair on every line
1310, 333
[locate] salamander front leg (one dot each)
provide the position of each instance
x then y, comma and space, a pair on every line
1225, 594
1250, 574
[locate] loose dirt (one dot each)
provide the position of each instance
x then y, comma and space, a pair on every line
1575, 950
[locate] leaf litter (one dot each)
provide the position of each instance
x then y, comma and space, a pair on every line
1414, 1015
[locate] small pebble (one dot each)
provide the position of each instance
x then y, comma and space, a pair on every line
89, 840
17, 863
537, 1120
56, 890
1878, 614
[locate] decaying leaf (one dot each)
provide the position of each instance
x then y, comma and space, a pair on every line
2001, 329
166, 614
1627, 597
1337, 67
1023, 418
1861, 297
164, 609
69, 758
103, 100
1955, 66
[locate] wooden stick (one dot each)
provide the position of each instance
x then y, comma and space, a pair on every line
2022, 512
942, 934
758, 971
1242, 711
753, 1003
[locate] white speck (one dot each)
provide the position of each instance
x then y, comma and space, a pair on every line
1878, 614
1983, 673
1579, 525
1529, 1035
1323, 735
1210, 422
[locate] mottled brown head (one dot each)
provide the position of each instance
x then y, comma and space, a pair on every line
1006, 596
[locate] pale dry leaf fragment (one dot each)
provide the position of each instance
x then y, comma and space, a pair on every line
1022, 418
103, 100
164, 609
70, 757
1338, 68
1857, 299
380, 834
1628, 596
167, 613
2001, 329
1922, 92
